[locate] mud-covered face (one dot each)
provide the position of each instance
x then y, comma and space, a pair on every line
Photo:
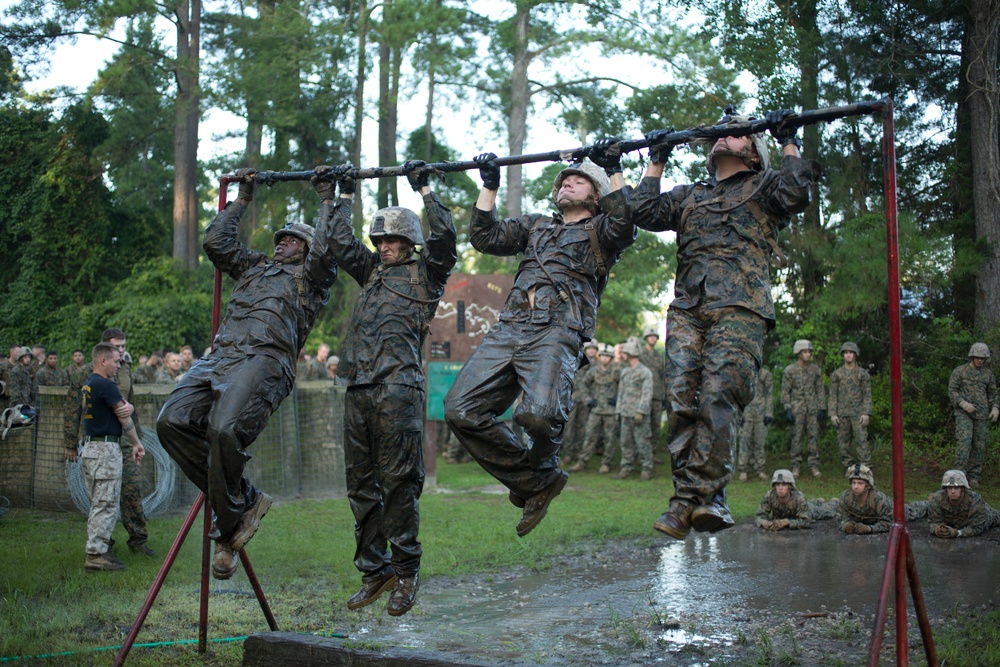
289, 248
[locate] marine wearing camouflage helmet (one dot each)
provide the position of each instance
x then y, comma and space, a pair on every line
784, 506
804, 399
726, 229
863, 509
972, 391
958, 511
850, 406
655, 361
548, 315
600, 391
635, 393
575, 430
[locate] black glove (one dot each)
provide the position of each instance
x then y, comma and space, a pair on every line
768, 420
613, 401
325, 188
417, 174
789, 416
783, 135
245, 177
592, 403
489, 170
607, 154
659, 152
347, 185
821, 415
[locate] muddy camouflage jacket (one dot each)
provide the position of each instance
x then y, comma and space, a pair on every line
601, 384
802, 388
384, 340
724, 259
972, 516
977, 386
875, 512
850, 392
273, 306
796, 510
567, 254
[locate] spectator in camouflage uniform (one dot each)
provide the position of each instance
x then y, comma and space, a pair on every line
130, 498
863, 509
635, 393
850, 406
5, 365
804, 399
223, 403
757, 417
574, 431
145, 373
972, 391
726, 231
600, 391
20, 383
50, 375
170, 371
958, 511
549, 314
187, 358
381, 364
653, 359
317, 367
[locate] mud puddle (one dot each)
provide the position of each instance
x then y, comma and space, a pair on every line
697, 602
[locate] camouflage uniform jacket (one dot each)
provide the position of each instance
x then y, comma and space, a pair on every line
850, 392
724, 259
656, 363
802, 388
165, 376
385, 337
796, 510
875, 512
52, 377
975, 385
20, 385
762, 404
144, 374
561, 250
601, 384
971, 516
635, 391
273, 306
73, 406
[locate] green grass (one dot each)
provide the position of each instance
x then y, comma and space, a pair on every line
303, 556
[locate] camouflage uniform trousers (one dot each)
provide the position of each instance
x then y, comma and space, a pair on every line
753, 441
635, 444
575, 430
655, 419
970, 438
713, 358
600, 427
384, 456
101, 464
133, 515
851, 427
806, 423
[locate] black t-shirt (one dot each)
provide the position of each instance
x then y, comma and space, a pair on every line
100, 395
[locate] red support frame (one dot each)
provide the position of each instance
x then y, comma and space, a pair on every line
899, 560
207, 526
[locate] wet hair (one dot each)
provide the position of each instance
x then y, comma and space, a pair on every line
112, 333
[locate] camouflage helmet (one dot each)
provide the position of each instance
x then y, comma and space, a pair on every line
757, 140
782, 476
606, 351
861, 471
22, 352
592, 343
650, 331
802, 344
397, 221
850, 346
631, 347
979, 351
590, 171
954, 478
299, 230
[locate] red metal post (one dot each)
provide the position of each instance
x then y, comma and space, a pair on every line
875, 646
919, 607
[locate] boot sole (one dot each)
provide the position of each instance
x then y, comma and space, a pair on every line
670, 530
389, 583
554, 490
258, 511
709, 522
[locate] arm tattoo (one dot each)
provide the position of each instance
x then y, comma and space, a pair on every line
129, 427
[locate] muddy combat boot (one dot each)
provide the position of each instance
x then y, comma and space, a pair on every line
371, 589
403, 595
142, 549
250, 522
538, 505
102, 563
623, 474
516, 500
676, 521
225, 561
711, 518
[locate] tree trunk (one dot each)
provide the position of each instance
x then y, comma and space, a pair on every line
359, 106
519, 98
984, 107
962, 225
251, 157
388, 96
188, 15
